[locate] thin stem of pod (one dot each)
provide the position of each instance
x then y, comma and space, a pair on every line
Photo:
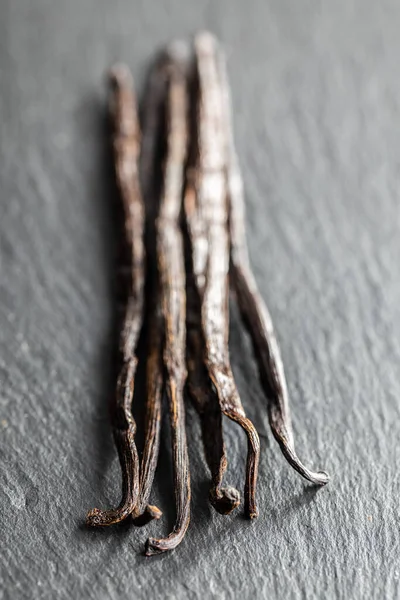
253, 309
126, 143
206, 215
200, 388
205, 400
172, 290
152, 124
144, 512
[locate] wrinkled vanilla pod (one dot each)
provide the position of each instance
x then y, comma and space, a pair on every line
126, 144
151, 126
171, 266
199, 385
206, 214
253, 309
205, 400
144, 512
184, 256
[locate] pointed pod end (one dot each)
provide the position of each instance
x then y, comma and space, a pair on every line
288, 451
120, 75
205, 42
251, 512
178, 50
322, 478
226, 500
154, 512
94, 518
149, 514
153, 547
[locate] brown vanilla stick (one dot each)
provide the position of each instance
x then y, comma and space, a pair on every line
154, 109
253, 309
170, 254
144, 512
126, 143
205, 400
200, 388
206, 214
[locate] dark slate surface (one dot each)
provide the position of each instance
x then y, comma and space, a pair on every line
316, 96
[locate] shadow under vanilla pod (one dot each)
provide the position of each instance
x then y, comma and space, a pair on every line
200, 253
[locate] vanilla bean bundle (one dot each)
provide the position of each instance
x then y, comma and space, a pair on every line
199, 253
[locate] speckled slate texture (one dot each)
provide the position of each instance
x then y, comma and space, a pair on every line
316, 94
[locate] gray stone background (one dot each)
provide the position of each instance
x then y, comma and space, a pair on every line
316, 92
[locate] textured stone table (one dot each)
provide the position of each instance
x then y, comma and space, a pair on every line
316, 93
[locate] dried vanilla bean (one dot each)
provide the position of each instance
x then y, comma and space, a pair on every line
206, 214
126, 142
188, 268
199, 385
253, 309
172, 292
144, 512
205, 400
152, 120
